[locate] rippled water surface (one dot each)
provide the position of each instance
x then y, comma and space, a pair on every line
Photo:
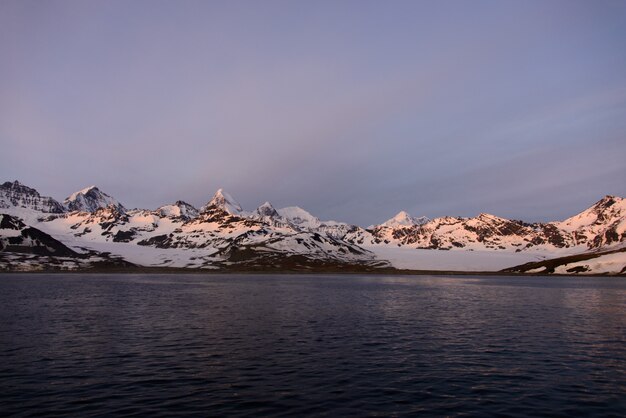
296, 345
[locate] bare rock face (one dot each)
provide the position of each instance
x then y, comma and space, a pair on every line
16, 195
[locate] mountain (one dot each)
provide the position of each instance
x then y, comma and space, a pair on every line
14, 195
479, 233
267, 210
90, 199
221, 235
180, 209
19, 238
268, 214
601, 225
23, 247
230, 236
403, 219
299, 217
223, 201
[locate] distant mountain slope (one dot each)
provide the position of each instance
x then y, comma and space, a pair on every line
602, 225
222, 235
482, 232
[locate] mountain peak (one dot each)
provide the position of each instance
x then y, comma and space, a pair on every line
180, 209
266, 209
299, 217
403, 219
16, 195
605, 213
82, 191
609, 202
90, 199
224, 201
17, 186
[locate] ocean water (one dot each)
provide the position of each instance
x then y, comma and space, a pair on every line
311, 345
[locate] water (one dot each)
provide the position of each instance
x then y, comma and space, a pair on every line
293, 345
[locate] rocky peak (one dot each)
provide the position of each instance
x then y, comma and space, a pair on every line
90, 199
609, 205
604, 212
224, 201
267, 210
18, 187
180, 209
16, 195
299, 217
403, 219
488, 218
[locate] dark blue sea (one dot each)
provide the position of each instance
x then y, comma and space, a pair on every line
311, 345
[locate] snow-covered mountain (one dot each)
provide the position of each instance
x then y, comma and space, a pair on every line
90, 199
484, 232
180, 209
299, 217
403, 219
16, 196
266, 210
24, 247
20, 238
223, 201
602, 225
223, 235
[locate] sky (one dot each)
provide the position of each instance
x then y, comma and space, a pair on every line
353, 110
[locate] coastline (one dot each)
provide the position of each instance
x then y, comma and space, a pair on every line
306, 272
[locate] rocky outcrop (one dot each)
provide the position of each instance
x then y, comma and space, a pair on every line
16, 195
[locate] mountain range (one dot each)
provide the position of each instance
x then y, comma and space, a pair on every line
91, 230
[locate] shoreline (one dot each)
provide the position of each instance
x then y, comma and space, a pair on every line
307, 272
